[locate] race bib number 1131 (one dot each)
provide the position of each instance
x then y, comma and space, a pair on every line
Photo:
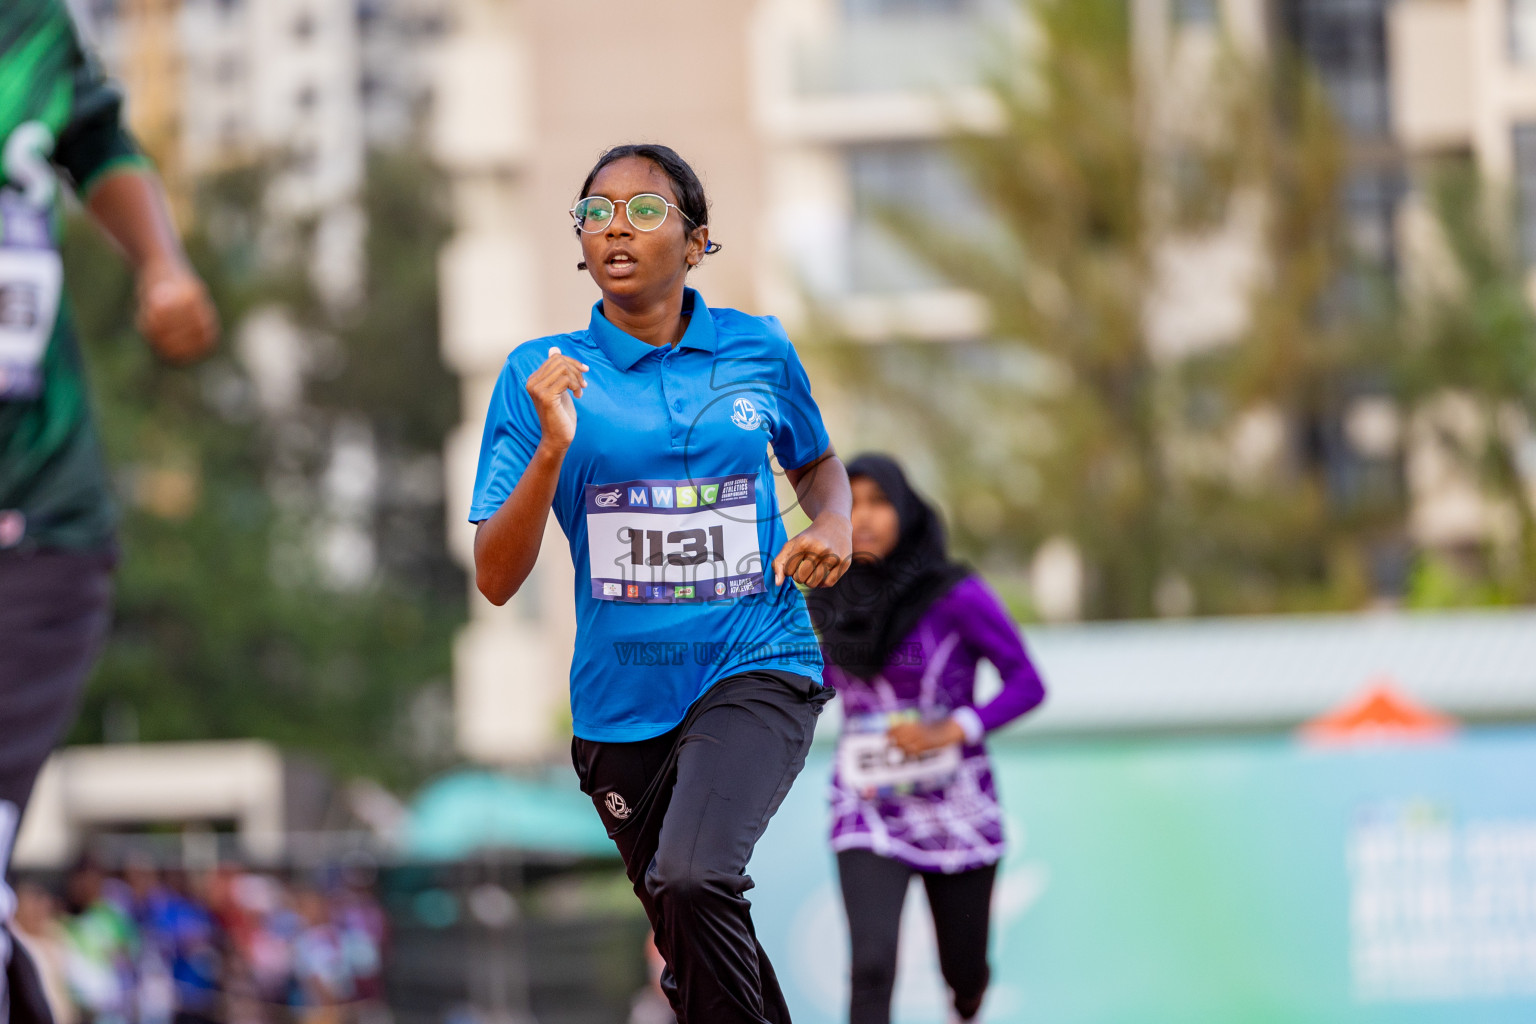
670, 541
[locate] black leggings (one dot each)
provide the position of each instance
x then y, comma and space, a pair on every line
874, 889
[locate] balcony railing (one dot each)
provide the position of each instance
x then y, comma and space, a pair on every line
908, 53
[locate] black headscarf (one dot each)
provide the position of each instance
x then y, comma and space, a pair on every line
879, 601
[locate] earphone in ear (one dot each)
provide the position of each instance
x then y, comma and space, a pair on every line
582, 265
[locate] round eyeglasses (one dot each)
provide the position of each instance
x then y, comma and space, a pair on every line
646, 212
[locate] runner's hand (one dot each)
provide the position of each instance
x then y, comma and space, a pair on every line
175, 314
550, 388
818, 555
916, 737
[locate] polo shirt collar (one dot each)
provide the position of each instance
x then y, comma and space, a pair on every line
624, 350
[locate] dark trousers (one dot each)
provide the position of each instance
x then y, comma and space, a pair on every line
874, 890
685, 810
55, 607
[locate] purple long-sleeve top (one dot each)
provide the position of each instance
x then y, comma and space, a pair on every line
932, 673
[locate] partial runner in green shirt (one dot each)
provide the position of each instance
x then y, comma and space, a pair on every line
61, 118
60, 122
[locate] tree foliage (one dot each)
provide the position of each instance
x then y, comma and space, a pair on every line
211, 639
1467, 367
1075, 417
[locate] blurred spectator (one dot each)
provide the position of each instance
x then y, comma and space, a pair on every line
222, 947
363, 930
38, 926
650, 1005
102, 945
322, 982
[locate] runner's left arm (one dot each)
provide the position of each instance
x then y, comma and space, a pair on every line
124, 196
988, 630
992, 634
818, 555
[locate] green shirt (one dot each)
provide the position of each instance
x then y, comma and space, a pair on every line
58, 112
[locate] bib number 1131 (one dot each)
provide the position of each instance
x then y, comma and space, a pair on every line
645, 546
668, 541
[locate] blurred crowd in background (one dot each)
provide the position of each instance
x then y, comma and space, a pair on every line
231, 945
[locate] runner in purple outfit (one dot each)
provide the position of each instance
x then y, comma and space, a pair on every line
902, 633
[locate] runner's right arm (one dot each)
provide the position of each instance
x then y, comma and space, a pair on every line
507, 544
175, 314
120, 189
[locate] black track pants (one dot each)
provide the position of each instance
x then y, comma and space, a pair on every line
55, 607
874, 889
685, 810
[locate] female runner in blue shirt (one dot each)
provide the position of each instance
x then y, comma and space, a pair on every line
695, 682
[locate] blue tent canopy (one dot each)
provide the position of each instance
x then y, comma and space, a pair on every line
476, 809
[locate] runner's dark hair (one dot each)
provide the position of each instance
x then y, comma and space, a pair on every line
690, 190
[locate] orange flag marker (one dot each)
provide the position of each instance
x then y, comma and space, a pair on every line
1380, 713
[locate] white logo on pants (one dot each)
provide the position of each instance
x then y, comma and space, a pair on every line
616, 806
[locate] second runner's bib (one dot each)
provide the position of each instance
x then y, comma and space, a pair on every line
31, 276
666, 541
872, 766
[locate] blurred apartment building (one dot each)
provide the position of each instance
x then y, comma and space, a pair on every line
803, 116
305, 89
309, 85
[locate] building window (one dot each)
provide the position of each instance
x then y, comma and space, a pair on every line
1371, 198
369, 13
304, 159
918, 176
1346, 41
1525, 187
1522, 31
885, 8
1196, 12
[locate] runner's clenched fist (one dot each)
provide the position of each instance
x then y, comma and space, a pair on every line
818, 555
175, 314
550, 387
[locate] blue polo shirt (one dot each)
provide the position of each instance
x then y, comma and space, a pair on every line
666, 497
